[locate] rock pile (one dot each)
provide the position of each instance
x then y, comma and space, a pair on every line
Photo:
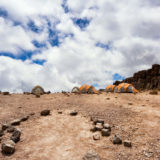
145, 79
8, 146
105, 130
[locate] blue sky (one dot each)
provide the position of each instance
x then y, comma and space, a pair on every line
61, 44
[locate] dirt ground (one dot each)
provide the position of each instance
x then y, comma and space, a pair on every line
135, 117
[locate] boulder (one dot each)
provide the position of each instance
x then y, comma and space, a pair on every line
117, 139
73, 113
16, 136
15, 122
99, 126
8, 147
91, 155
96, 136
106, 132
4, 126
107, 126
25, 118
45, 112
127, 143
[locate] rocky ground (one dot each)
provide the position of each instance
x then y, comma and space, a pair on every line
61, 136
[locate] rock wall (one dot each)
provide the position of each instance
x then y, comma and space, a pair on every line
145, 79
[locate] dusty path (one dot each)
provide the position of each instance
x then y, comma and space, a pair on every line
62, 137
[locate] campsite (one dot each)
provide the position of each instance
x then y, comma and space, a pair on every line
133, 117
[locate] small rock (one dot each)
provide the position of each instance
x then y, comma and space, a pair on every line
1, 133
60, 112
10, 129
98, 121
16, 122
99, 126
73, 113
4, 126
16, 136
45, 112
91, 155
8, 147
117, 139
127, 143
106, 132
93, 129
107, 126
96, 136
24, 118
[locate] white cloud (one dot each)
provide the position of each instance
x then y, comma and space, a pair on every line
130, 27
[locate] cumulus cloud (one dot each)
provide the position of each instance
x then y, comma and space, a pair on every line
76, 42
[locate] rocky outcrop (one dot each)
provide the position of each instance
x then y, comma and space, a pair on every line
145, 79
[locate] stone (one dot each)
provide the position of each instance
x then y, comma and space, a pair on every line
1, 133
107, 126
16, 136
4, 126
45, 112
96, 136
127, 143
95, 121
8, 147
24, 118
99, 126
93, 129
106, 132
15, 122
73, 113
60, 112
117, 139
5, 93
11, 129
91, 155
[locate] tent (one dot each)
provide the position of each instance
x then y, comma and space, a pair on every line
75, 90
38, 90
125, 88
110, 88
88, 89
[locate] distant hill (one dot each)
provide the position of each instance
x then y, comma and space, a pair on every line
145, 79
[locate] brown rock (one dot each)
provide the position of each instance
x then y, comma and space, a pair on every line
73, 113
45, 112
91, 155
8, 147
127, 143
106, 132
96, 136
16, 122
16, 135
